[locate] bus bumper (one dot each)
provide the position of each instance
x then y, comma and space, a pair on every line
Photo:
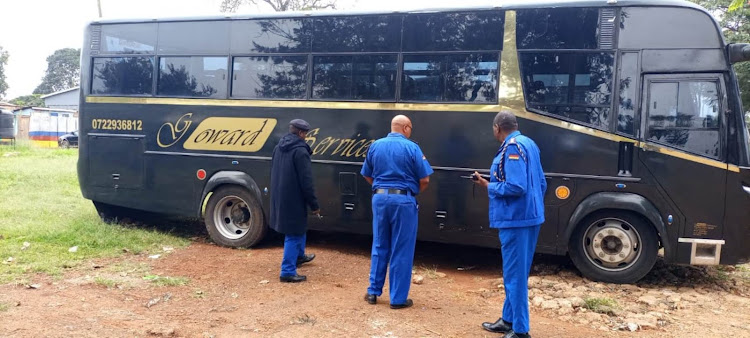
699, 251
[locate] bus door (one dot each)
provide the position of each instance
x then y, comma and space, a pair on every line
683, 147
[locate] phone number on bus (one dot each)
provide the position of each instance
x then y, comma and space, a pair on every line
108, 124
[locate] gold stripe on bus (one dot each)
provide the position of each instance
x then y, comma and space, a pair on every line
509, 90
685, 156
733, 168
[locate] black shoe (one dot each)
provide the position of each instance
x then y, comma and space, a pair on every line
500, 326
371, 299
408, 303
305, 259
512, 334
292, 279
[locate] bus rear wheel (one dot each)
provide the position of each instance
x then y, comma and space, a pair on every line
614, 247
234, 217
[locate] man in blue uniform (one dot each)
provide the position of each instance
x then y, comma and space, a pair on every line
516, 191
292, 192
397, 171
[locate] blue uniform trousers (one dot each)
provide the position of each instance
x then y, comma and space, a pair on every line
294, 247
517, 246
394, 227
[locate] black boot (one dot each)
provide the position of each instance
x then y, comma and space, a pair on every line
500, 326
512, 334
371, 299
305, 259
292, 279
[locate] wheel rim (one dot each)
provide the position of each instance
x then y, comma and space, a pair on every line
232, 217
65, 144
612, 244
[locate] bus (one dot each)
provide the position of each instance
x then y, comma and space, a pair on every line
633, 103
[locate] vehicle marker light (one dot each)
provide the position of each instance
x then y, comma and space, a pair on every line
562, 192
201, 174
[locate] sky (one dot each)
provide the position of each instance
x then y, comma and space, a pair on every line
32, 30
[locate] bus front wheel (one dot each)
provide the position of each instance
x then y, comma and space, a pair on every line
234, 217
614, 247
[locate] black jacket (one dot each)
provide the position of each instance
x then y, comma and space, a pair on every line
292, 188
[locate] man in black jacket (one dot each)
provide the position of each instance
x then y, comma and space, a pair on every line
292, 192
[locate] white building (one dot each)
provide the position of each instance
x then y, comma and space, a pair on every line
64, 99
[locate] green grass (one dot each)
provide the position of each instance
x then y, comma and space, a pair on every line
105, 282
601, 305
41, 203
4, 307
167, 281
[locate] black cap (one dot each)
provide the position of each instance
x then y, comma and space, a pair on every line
300, 124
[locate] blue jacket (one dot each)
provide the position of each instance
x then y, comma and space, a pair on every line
517, 184
395, 162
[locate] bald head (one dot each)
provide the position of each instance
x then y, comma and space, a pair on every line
402, 125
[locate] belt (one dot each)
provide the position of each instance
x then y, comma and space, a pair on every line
392, 191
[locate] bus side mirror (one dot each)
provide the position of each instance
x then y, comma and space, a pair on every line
739, 52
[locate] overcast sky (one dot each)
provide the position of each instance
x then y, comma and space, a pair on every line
31, 30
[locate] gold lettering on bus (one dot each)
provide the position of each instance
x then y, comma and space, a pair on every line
170, 133
231, 134
355, 147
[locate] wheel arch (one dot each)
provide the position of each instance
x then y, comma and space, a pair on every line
617, 201
221, 178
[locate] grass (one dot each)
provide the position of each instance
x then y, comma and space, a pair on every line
106, 282
602, 305
41, 203
167, 281
4, 307
305, 319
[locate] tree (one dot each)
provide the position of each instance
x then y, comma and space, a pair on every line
280, 5
3, 62
33, 100
63, 71
736, 28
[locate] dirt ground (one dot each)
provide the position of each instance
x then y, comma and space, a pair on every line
233, 293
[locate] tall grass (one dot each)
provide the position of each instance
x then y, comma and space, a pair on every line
41, 203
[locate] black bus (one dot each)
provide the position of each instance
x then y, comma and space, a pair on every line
634, 105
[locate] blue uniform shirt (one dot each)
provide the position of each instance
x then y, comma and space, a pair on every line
517, 188
395, 162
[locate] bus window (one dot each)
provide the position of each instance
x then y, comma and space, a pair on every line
685, 115
654, 27
629, 77
558, 28
576, 86
210, 37
450, 78
129, 39
365, 77
122, 76
270, 77
192, 76
357, 34
454, 31
271, 36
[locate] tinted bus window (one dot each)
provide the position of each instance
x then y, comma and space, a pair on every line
454, 31
129, 39
627, 103
655, 27
685, 115
450, 78
358, 34
271, 77
122, 76
192, 76
573, 85
194, 37
271, 36
557, 28
365, 77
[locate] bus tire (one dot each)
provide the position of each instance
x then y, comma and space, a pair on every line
234, 217
614, 246
109, 213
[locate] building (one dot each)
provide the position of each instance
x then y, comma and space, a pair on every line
44, 125
8, 106
64, 99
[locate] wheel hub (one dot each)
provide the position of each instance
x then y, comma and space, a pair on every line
612, 244
232, 217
